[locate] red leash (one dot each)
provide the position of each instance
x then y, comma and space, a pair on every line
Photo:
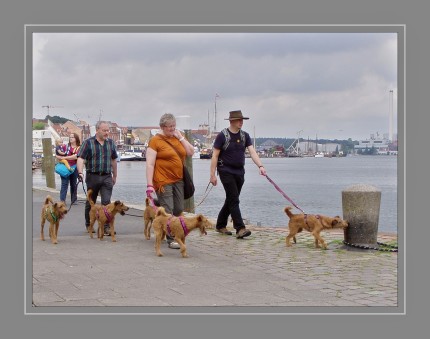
285, 196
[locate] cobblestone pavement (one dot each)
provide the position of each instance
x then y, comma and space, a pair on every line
221, 270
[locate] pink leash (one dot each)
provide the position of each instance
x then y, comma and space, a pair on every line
149, 195
285, 196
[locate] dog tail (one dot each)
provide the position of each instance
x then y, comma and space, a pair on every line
161, 211
288, 212
147, 201
49, 200
89, 193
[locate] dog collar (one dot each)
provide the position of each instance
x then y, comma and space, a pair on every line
52, 214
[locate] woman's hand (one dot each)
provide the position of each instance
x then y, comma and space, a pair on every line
177, 134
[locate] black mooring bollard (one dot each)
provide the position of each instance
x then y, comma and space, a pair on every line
360, 204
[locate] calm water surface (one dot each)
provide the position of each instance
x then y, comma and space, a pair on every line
314, 184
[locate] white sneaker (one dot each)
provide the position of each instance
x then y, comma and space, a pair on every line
174, 245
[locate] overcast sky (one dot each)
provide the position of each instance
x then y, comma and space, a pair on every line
329, 85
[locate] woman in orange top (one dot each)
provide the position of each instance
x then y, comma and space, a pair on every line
164, 167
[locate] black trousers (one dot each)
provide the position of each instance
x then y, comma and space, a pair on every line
232, 186
102, 184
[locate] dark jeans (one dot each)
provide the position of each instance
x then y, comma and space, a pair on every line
99, 184
73, 180
232, 186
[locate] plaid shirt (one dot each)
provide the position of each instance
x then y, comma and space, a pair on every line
98, 158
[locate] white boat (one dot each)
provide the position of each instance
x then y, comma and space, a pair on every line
319, 155
132, 153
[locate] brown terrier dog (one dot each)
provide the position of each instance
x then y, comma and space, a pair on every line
177, 227
149, 216
312, 223
103, 215
53, 212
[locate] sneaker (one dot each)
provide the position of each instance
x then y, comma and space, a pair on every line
243, 232
224, 231
174, 245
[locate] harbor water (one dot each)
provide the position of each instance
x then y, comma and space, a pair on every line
314, 184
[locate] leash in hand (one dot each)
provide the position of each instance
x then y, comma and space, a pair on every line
205, 194
284, 195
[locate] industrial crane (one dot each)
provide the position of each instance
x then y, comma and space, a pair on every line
50, 106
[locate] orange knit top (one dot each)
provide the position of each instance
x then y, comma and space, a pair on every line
168, 167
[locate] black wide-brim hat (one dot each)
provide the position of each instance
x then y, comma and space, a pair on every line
236, 115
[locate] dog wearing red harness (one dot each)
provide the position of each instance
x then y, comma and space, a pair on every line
104, 215
313, 223
177, 227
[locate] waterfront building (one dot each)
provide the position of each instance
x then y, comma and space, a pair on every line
381, 145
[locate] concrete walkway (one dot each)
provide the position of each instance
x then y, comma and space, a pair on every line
221, 271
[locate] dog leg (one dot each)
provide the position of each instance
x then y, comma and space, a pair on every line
319, 239
112, 230
149, 229
100, 231
288, 238
52, 233
42, 225
91, 228
183, 248
57, 226
146, 232
158, 236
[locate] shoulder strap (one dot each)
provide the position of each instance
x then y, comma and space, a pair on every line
172, 147
242, 137
227, 138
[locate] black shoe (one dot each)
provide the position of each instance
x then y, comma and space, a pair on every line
107, 231
242, 233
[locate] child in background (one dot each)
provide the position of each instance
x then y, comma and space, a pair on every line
59, 150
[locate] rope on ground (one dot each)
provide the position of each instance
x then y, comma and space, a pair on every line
383, 248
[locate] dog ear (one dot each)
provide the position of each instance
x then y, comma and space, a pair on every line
117, 202
200, 218
334, 222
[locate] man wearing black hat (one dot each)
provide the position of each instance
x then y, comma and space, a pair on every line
228, 158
